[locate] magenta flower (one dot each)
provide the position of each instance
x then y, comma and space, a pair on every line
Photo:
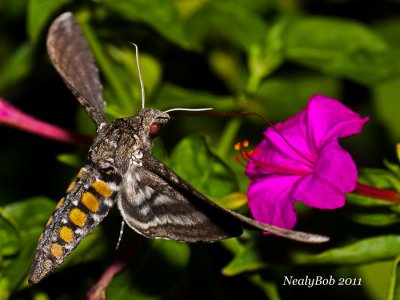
301, 160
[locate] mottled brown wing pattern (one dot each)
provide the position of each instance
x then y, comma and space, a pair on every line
72, 58
153, 208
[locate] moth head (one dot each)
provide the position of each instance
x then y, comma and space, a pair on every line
158, 123
152, 121
162, 117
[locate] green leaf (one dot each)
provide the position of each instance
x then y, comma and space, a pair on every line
192, 160
233, 245
17, 268
9, 235
363, 251
394, 168
389, 29
374, 286
229, 136
31, 216
380, 178
366, 67
39, 13
17, 67
267, 55
71, 159
231, 20
228, 65
269, 287
281, 96
377, 178
84, 124
398, 151
5, 288
31, 212
376, 219
233, 201
394, 288
154, 270
387, 106
364, 201
372, 210
341, 48
248, 259
159, 14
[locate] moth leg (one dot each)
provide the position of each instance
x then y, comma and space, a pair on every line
121, 232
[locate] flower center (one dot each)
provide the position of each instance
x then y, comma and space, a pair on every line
259, 167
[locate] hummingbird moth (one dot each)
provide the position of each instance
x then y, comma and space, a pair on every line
120, 169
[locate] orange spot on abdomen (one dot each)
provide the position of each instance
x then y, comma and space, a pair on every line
90, 201
80, 172
56, 250
66, 234
78, 217
60, 203
102, 188
71, 186
49, 221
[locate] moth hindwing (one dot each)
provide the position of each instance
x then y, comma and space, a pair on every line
120, 169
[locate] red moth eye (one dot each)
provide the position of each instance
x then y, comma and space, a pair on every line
154, 129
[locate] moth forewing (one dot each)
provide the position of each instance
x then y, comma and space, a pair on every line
70, 55
155, 209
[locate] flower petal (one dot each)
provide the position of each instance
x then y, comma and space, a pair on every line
328, 119
336, 166
316, 192
270, 201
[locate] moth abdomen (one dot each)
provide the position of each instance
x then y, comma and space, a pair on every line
87, 201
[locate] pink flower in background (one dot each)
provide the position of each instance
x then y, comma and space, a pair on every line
12, 116
301, 160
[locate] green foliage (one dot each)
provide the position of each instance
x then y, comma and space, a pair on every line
232, 55
362, 251
341, 48
160, 261
21, 224
39, 13
190, 156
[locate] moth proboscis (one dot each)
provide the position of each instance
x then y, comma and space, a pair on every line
120, 169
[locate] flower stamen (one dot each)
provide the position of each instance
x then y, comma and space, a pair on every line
266, 168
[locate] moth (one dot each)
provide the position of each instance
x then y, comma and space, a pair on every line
120, 170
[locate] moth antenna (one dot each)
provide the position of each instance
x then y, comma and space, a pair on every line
183, 109
140, 73
121, 232
187, 109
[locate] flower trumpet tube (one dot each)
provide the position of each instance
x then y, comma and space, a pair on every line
12, 116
